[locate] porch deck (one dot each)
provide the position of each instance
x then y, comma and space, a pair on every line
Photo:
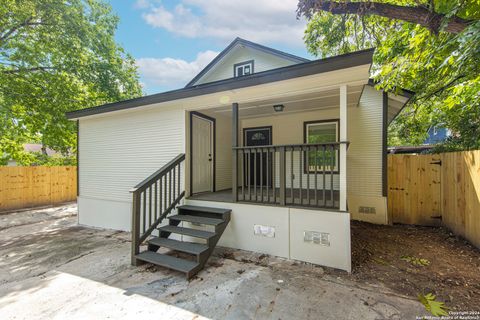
307, 200
218, 196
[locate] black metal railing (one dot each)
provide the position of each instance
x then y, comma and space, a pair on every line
296, 174
153, 199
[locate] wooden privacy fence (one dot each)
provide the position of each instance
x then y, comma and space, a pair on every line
24, 187
439, 189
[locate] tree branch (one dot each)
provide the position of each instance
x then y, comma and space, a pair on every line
416, 14
15, 28
441, 88
34, 69
27, 23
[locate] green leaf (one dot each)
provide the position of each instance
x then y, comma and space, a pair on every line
436, 308
421, 262
442, 69
57, 56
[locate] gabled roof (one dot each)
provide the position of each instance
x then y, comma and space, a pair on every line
249, 44
343, 61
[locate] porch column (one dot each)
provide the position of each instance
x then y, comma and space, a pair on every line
234, 152
343, 149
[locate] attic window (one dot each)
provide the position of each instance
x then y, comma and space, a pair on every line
243, 68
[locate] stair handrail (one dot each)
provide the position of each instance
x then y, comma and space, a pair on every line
162, 204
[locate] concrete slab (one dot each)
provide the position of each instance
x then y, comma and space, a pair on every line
53, 269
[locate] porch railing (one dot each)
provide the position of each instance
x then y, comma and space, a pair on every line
304, 175
153, 199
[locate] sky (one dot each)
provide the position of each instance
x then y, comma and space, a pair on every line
172, 41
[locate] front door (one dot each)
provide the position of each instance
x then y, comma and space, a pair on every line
202, 154
261, 136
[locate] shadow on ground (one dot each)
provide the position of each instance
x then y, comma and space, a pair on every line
55, 269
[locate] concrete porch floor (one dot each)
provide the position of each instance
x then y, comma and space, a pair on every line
50, 268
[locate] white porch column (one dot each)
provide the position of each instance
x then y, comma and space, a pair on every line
343, 148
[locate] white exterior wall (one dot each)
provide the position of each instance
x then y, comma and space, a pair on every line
290, 225
364, 158
118, 151
262, 62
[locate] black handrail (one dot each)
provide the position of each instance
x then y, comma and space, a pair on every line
153, 199
149, 181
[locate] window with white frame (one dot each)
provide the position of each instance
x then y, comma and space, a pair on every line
243, 68
325, 157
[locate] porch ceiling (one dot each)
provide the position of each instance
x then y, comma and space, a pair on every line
294, 103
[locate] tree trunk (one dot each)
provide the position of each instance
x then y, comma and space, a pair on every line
419, 15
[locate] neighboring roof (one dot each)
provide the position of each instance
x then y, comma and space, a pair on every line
410, 149
437, 134
348, 60
246, 43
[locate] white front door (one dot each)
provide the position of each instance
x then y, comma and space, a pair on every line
202, 154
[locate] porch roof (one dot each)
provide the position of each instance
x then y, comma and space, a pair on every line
344, 61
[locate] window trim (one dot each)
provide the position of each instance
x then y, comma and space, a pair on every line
305, 133
248, 62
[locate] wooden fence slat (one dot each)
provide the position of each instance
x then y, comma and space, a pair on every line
423, 192
414, 191
24, 187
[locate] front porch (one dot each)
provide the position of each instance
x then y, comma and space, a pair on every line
288, 151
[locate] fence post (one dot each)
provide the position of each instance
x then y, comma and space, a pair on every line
135, 227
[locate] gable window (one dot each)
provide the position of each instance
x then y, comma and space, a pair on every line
243, 68
323, 158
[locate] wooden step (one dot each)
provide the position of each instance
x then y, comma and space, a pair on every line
188, 232
197, 219
187, 207
167, 261
188, 247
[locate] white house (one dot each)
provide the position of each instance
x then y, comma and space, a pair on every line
261, 151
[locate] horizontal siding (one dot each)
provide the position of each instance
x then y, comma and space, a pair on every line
120, 150
223, 162
364, 156
262, 62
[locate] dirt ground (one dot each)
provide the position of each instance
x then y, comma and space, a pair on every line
52, 268
385, 255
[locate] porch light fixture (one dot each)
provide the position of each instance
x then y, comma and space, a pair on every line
278, 107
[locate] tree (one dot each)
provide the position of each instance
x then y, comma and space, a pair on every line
430, 47
57, 56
